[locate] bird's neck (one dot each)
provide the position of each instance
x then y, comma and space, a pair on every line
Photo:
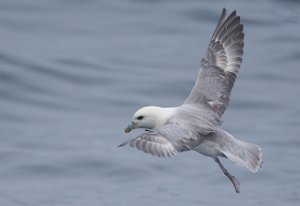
163, 115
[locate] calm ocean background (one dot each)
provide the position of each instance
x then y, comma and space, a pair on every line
72, 72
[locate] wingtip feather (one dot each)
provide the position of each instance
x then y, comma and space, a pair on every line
123, 144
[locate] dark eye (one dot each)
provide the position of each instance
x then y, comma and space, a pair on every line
140, 117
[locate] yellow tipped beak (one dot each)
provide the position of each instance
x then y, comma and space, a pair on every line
126, 130
131, 126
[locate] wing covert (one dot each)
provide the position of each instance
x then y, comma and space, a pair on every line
166, 141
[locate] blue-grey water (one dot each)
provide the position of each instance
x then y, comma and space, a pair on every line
73, 72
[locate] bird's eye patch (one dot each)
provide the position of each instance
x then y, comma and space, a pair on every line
140, 117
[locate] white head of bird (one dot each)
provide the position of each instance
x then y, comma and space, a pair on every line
150, 117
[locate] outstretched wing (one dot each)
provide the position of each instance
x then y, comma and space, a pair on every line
166, 141
220, 65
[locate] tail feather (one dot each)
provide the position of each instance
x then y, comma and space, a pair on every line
242, 153
249, 156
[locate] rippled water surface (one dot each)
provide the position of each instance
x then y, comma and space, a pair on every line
73, 72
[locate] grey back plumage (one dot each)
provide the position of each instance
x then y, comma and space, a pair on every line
220, 65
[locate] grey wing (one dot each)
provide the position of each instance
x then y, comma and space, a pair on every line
166, 141
220, 65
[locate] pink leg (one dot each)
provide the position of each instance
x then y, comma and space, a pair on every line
234, 181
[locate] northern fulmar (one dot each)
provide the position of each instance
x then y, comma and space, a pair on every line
195, 125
